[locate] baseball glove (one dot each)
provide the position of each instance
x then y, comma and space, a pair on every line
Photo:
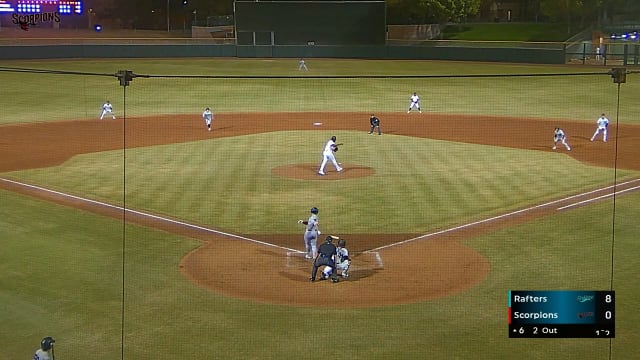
335, 149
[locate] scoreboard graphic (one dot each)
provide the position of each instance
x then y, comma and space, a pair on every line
63, 7
561, 314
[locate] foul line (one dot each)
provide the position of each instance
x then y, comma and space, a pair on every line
598, 198
373, 251
140, 213
504, 216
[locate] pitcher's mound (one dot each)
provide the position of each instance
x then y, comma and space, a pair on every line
310, 172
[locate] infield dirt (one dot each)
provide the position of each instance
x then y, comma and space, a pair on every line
426, 268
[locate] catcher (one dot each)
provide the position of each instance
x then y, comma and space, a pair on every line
560, 137
342, 261
375, 123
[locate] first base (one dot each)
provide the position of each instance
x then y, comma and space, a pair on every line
317, 124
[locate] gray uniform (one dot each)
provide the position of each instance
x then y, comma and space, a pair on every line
311, 236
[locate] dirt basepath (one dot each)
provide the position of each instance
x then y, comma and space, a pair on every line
387, 269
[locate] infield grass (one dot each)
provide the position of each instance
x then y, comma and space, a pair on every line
113, 290
415, 182
71, 285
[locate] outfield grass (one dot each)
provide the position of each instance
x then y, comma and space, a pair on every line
78, 97
109, 289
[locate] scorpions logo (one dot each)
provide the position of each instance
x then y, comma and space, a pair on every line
26, 21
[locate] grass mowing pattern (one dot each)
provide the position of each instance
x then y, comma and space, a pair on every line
76, 97
227, 183
170, 315
49, 249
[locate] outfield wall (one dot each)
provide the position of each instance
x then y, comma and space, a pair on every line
520, 55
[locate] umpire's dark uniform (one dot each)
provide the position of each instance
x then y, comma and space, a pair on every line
326, 256
375, 123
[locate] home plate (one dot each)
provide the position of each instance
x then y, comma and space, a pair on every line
317, 123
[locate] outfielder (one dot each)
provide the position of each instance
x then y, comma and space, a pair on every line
45, 352
603, 124
560, 137
375, 123
342, 261
302, 65
107, 108
207, 115
311, 233
415, 103
327, 155
326, 256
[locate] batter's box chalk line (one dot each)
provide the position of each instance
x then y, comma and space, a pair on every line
370, 260
292, 259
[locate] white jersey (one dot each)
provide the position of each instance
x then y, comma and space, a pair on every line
107, 107
602, 122
41, 355
207, 115
414, 99
328, 149
342, 255
558, 134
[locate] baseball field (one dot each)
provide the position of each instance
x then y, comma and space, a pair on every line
149, 237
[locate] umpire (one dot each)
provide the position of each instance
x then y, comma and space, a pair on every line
375, 123
326, 256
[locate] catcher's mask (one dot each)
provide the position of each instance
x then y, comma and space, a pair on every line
314, 210
329, 239
47, 343
342, 243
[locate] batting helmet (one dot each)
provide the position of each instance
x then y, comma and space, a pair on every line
342, 243
314, 210
47, 343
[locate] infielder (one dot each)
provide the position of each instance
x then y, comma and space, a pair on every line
207, 115
560, 137
311, 233
415, 103
45, 352
375, 123
326, 256
107, 108
603, 124
302, 65
327, 155
342, 261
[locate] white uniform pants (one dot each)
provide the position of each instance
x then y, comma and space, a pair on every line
326, 158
